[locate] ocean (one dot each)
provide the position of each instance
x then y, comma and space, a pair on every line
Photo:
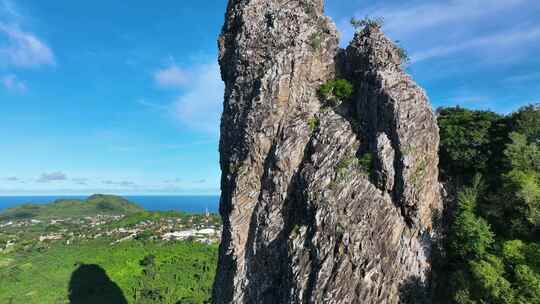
192, 204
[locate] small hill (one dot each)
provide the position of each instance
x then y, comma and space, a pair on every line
93, 205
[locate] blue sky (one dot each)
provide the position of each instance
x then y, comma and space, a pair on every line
125, 96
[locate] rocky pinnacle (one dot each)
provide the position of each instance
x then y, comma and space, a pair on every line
320, 204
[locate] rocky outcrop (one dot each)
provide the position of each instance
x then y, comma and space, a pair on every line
320, 205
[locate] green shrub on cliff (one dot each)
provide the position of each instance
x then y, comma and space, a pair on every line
360, 24
366, 162
334, 92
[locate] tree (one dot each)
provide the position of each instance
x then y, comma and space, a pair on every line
528, 284
527, 122
521, 187
489, 278
465, 146
150, 288
484, 267
522, 260
336, 91
471, 235
513, 252
521, 154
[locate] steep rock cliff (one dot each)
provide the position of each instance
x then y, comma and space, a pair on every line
305, 221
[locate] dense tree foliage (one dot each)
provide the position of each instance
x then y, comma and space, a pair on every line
471, 235
490, 250
526, 122
466, 140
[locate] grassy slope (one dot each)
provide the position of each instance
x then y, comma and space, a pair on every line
96, 204
187, 269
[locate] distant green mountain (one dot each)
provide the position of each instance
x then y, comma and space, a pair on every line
93, 205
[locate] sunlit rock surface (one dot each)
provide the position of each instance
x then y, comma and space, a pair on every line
305, 221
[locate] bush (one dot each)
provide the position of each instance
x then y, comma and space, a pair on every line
366, 162
360, 24
403, 54
343, 165
336, 91
315, 41
313, 123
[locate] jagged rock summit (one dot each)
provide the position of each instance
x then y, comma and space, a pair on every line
320, 204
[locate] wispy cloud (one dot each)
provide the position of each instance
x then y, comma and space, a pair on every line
152, 105
52, 177
170, 77
24, 49
413, 16
199, 103
119, 183
441, 28
173, 181
200, 106
498, 41
80, 181
21, 48
13, 84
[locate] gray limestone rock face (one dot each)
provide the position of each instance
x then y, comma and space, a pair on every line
385, 162
304, 221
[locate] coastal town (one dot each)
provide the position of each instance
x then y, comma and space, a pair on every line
202, 228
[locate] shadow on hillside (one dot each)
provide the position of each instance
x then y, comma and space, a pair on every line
89, 284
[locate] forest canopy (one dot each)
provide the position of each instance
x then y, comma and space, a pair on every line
490, 165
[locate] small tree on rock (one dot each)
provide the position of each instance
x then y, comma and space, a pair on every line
360, 24
334, 92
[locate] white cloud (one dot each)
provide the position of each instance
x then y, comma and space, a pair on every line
173, 181
51, 177
498, 42
24, 49
13, 84
119, 183
438, 28
200, 106
20, 48
419, 15
152, 105
80, 180
170, 77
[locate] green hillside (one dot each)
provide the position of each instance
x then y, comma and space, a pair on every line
95, 204
87, 254
141, 272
